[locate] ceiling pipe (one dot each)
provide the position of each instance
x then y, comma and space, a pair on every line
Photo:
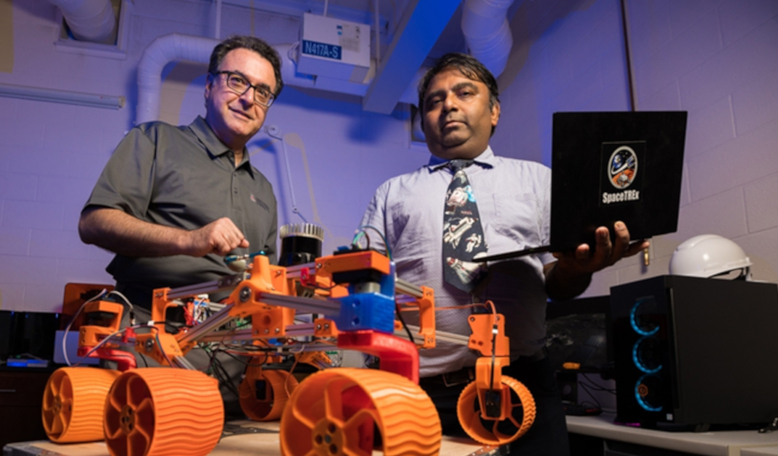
176, 47
480, 19
89, 20
487, 32
218, 26
163, 50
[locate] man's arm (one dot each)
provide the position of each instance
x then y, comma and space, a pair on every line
571, 274
374, 216
272, 238
119, 232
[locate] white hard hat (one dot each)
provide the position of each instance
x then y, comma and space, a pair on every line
709, 255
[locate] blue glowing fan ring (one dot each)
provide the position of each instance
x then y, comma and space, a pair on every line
640, 400
639, 364
633, 321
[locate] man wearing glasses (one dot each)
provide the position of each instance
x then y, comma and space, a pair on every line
173, 201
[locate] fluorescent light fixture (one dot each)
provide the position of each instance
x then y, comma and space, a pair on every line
61, 96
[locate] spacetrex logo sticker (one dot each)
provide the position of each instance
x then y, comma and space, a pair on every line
622, 172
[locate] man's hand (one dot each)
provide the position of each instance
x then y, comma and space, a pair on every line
571, 273
220, 237
583, 261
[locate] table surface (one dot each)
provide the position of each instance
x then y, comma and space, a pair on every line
760, 451
716, 443
260, 439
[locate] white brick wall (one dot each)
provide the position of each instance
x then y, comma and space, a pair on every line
51, 154
716, 60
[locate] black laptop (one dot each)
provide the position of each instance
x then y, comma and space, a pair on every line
611, 166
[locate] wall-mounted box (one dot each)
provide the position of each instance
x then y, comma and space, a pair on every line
334, 48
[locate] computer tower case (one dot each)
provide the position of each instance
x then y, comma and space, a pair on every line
693, 352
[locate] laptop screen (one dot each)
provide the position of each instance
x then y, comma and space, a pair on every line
608, 167
611, 166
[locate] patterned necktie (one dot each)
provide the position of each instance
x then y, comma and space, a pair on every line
463, 235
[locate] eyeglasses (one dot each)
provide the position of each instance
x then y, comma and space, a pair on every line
238, 84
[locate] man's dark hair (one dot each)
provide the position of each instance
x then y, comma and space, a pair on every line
251, 43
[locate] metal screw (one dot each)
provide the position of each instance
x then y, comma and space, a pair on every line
267, 331
245, 293
318, 327
278, 330
326, 326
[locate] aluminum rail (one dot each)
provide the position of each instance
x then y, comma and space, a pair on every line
214, 321
301, 329
183, 363
221, 317
226, 335
408, 288
319, 345
304, 329
293, 272
308, 305
400, 286
225, 282
206, 331
439, 335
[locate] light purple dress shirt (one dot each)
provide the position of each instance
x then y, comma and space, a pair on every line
513, 199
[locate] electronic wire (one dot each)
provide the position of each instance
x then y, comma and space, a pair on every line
361, 231
67, 328
402, 320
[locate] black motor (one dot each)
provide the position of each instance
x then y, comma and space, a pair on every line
300, 244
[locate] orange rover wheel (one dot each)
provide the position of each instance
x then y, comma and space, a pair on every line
162, 411
264, 393
336, 412
493, 432
73, 403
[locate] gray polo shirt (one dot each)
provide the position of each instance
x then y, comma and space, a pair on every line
183, 177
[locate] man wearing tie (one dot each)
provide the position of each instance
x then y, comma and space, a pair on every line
467, 201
